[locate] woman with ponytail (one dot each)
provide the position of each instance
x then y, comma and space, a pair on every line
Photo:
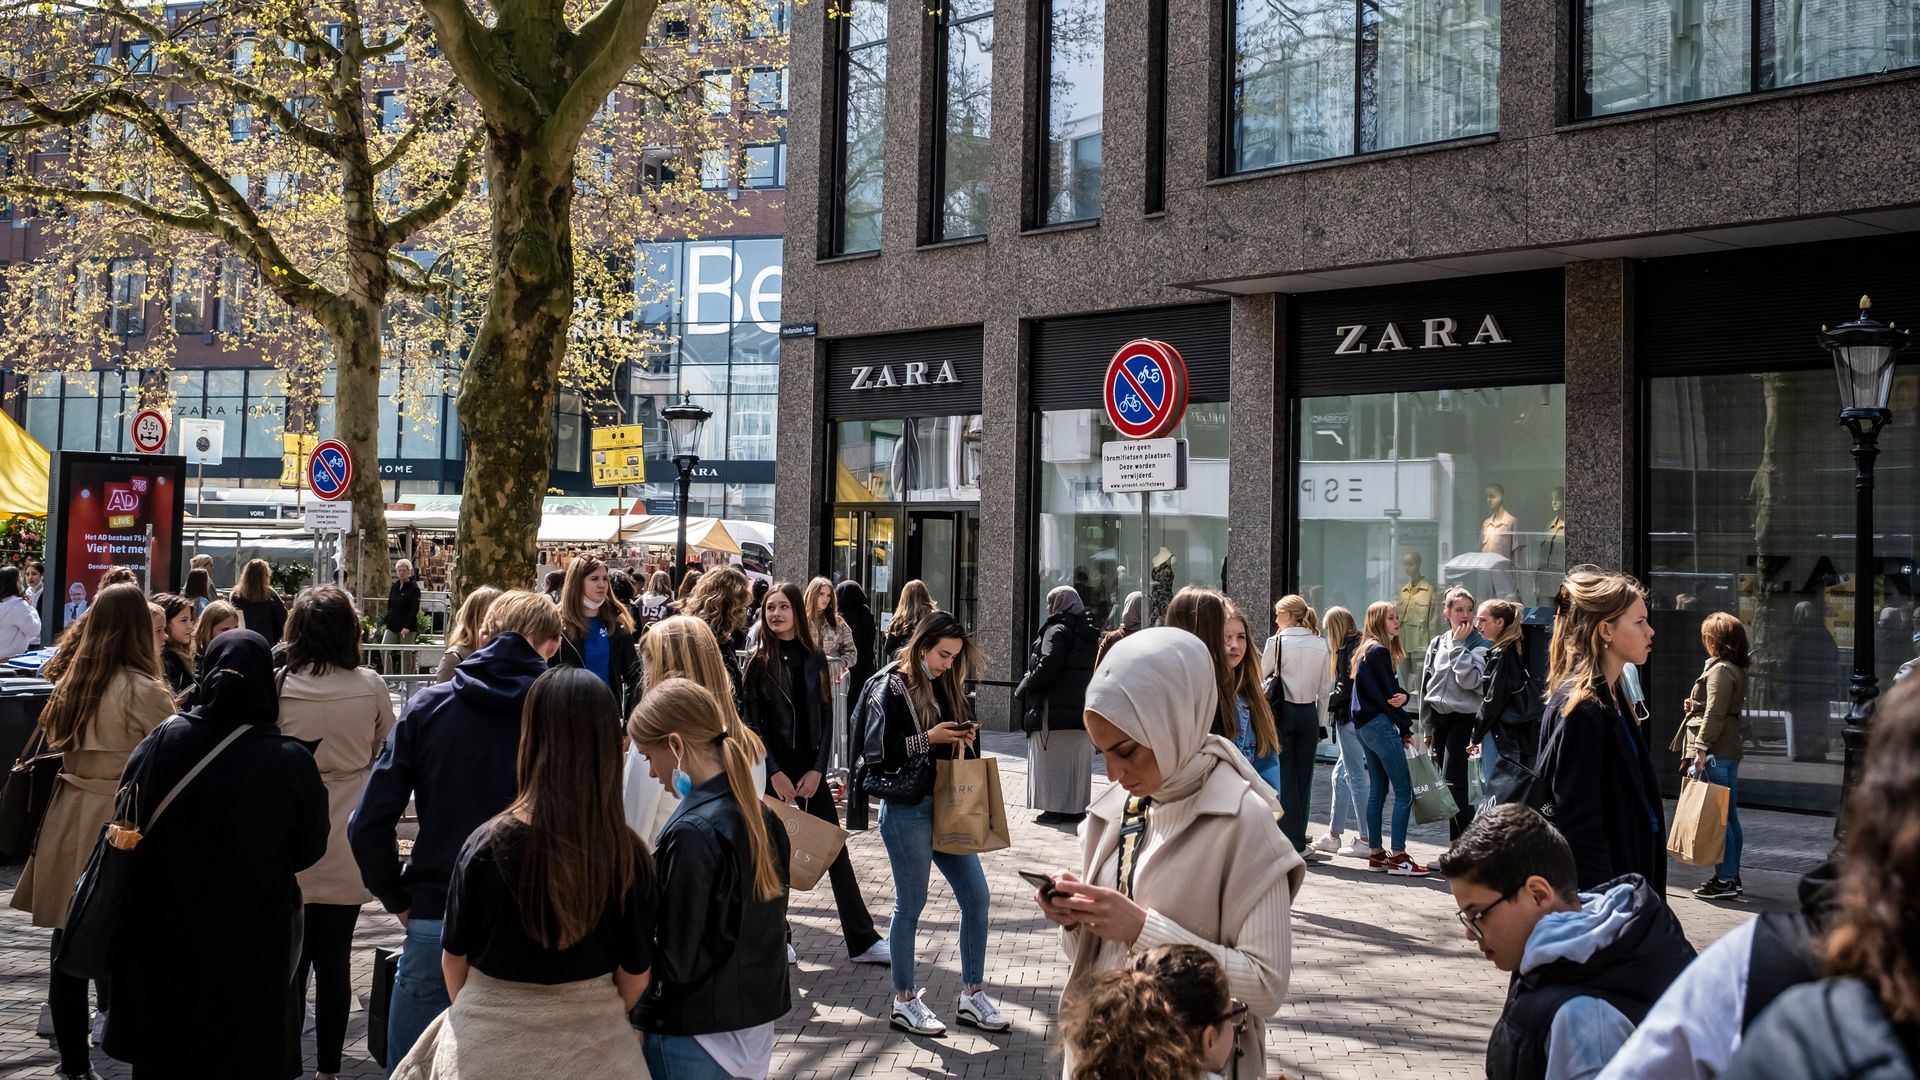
719, 982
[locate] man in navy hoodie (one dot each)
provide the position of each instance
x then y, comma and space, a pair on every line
453, 753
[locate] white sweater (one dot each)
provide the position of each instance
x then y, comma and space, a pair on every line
19, 626
1305, 663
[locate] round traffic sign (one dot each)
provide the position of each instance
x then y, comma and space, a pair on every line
1145, 390
149, 431
330, 470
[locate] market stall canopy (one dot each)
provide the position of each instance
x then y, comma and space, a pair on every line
581, 528
704, 533
25, 467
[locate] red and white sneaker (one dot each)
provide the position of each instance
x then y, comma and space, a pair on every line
1376, 862
1402, 865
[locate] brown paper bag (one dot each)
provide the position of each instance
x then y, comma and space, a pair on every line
969, 816
1699, 835
816, 843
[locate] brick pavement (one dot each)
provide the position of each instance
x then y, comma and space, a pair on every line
1383, 984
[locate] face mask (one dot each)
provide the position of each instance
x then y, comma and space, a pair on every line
591, 605
926, 670
682, 783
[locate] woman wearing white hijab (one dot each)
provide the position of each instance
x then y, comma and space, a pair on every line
1180, 848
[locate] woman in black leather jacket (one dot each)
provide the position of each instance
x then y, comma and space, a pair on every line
719, 959
786, 690
1509, 722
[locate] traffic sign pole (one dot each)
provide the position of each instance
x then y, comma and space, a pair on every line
1145, 392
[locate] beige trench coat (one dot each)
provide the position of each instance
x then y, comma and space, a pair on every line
349, 714
133, 705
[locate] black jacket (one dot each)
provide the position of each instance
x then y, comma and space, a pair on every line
783, 707
1629, 972
1375, 683
454, 752
213, 904
178, 672
1059, 668
720, 961
268, 617
625, 659
403, 605
1512, 700
1596, 784
1340, 700
1833, 1029
859, 619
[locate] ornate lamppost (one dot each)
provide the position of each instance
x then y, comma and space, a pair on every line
684, 421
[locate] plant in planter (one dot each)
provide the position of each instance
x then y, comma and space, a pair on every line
288, 578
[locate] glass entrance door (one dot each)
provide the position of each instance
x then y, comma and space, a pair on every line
941, 547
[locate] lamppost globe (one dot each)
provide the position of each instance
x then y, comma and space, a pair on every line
1864, 352
684, 421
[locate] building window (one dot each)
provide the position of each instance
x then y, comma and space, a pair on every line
767, 89
766, 166
235, 279
140, 57
862, 107
240, 122
963, 145
243, 57
1642, 54
1156, 187
187, 303
713, 169
1073, 58
1328, 79
718, 88
127, 299
393, 109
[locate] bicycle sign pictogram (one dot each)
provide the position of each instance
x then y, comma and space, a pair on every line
1145, 390
330, 470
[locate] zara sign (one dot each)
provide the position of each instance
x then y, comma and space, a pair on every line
915, 373
1440, 333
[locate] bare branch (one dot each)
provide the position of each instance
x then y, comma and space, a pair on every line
440, 103
624, 42
398, 230
476, 59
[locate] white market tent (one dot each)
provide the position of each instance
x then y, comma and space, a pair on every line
704, 533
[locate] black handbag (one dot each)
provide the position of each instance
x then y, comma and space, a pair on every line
386, 966
907, 782
24, 800
101, 894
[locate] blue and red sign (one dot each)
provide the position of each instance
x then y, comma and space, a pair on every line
1145, 389
330, 470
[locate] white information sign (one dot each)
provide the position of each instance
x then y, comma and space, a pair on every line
1147, 465
203, 441
334, 517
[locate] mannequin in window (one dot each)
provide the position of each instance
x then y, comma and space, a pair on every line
1498, 532
1162, 586
1553, 549
1418, 608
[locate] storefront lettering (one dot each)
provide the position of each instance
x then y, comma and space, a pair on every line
758, 303
881, 377
1435, 334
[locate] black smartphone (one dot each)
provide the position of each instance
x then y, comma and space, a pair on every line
1043, 882
966, 725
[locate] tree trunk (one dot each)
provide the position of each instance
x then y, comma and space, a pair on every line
507, 389
356, 344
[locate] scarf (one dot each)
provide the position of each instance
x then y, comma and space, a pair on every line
1064, 601
1130, 613
236, 682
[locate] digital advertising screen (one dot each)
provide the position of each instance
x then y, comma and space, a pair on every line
102, 505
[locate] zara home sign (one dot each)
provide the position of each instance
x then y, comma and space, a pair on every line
1441, 333
913, 373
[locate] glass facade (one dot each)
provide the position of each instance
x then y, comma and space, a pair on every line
966, 109
1401, 496
1074, 58
906, 494
1091, 540
863, 130
1751, 512
1317, 81
1641, 54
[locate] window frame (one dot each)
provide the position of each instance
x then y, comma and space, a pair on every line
944, 27
122, 272
1039, 174
843, 50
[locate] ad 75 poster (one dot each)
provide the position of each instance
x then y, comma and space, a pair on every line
104, 504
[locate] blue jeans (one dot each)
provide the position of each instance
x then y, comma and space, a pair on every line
419, 989
1727, 775
1349, 780
681, 1057
907, 830
1386, 763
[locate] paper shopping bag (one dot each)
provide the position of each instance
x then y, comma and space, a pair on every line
816, 842
1699, 833
969, 816
1432, 801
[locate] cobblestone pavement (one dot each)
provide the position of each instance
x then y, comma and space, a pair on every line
1383, 983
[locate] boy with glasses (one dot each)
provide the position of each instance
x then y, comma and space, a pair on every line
1585, 967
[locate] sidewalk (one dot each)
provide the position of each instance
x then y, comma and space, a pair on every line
1384, 985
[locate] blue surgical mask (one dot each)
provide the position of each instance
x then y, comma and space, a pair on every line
682, 783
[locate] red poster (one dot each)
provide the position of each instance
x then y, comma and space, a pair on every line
107, 501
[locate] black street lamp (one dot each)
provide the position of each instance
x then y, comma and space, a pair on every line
684, 421
1863, 357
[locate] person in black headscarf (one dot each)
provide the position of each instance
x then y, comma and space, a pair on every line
858, 616
202, 970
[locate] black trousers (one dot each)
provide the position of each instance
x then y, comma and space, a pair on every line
1299, 728
856, 922
326, 951
72, 1027
1451, 734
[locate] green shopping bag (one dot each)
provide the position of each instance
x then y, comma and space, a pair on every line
1431, 800
1477, 779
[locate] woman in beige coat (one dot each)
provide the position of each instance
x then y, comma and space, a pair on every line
107, 694
327, 698
1180, 848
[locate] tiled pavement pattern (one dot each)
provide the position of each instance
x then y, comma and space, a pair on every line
1383, 983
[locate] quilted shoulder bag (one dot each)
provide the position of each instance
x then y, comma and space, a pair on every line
907, 782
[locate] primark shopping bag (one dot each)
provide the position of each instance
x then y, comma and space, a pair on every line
969, 816
1699, 833
1432, 801
815, 843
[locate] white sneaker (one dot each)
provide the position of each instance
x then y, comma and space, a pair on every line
792, 957
1356, 847
914, 1016
1328, 843
44, 1028
977, 1009
876, 954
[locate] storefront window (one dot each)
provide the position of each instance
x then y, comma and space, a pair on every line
925, 459
1751, 497
1075, 60
1402, 496
1091, 540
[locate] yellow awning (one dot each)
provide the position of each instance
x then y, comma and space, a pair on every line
24, 469
848, 488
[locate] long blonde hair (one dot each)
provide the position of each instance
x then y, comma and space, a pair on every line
685, 708
256, 582
1376, 633
1338, 627
1299, 611
1588, 597
115, 635
722, 600
817, 588
938, 626
1508, 613
573, 608
212, 615
472, 616
683, 647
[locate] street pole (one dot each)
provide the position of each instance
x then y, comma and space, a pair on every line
1864, 424
685, 464
1146, 559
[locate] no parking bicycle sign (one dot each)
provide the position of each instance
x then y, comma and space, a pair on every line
1145, 390
330, 470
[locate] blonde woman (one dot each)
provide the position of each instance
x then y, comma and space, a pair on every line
723, 600
260, 607
215, 619
654, 601
1596, 770
466, 637
1350, 783
682, 647
1300, 679
1386, 734
830, 632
